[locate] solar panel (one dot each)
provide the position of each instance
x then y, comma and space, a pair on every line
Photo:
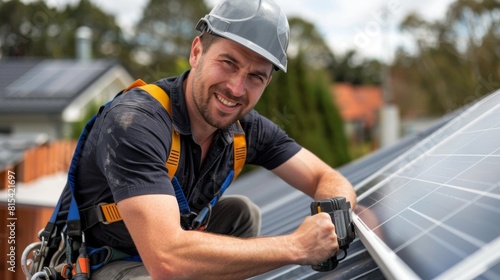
54, 79
434, 213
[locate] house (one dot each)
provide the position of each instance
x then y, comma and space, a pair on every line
47, 95
359, 107
39, 100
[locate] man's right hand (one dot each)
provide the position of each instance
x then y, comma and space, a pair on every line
315, 239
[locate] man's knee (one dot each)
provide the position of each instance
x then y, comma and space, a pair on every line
235, 215
248, 209
122, 270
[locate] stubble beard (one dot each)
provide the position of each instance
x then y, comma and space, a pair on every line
201, 97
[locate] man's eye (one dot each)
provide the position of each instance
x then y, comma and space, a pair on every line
228, 62
257, 78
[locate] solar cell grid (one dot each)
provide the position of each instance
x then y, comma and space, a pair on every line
438, 206
54, 79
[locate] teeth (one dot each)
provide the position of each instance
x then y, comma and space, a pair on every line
226, 102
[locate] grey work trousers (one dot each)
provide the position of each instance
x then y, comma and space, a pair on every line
233, 215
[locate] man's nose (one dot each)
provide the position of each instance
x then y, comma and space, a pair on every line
236, 84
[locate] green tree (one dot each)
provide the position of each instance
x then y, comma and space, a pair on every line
457, 58
24, 29
108, 39
300, 103
77, 127
346, 69
305, 39
37, 30
167, 29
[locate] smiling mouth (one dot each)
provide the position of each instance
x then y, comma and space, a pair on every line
225, 101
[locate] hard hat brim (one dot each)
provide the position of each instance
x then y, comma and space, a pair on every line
204, 25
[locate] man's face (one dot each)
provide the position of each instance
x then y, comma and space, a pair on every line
228, 81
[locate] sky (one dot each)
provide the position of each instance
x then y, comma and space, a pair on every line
345, 24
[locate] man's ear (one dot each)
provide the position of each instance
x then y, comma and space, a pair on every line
196, 52
269, 80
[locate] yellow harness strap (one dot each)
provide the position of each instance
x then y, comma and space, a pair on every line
159, 94
110, 211
240, 152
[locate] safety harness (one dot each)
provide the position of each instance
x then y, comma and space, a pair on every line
108, 213
62, 253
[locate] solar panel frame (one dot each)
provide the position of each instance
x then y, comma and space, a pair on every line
479, 120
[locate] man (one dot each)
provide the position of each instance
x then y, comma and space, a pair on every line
123, 161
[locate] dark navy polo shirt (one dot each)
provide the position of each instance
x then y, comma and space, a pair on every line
128, 146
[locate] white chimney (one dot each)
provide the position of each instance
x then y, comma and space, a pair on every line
84, 43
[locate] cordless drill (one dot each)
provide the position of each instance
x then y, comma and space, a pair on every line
340, 212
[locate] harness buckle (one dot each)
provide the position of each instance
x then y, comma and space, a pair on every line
108, 213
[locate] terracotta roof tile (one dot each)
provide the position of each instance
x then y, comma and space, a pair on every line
358, 103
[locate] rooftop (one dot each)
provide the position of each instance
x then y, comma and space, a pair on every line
12, 147
45, 85
453, 163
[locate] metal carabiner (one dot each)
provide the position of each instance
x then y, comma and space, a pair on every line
25, 266
56, 258
39, 275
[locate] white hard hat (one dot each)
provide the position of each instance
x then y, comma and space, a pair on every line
259, 25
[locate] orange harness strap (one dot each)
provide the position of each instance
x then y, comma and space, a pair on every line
110, 211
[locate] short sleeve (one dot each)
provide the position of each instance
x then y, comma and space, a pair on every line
132, 147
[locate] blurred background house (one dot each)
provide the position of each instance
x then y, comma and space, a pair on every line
360, 107
49, 95
41, 101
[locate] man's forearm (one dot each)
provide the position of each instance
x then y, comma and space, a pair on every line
307, 173
168, 252
210, 256
335, 184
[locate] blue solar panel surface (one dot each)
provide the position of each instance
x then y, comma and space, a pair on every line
435, 212
47, 86
50, 79
283, 208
